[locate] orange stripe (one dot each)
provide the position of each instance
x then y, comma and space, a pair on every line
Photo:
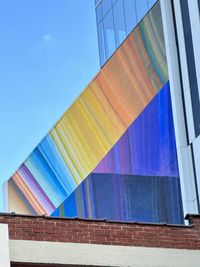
32, 200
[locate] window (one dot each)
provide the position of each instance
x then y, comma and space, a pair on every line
109, 34
97, 2
106, 5
101, 44
99, 13
151, 3
119, 22
141, 9
130, 15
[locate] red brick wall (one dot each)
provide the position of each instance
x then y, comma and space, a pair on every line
101, 232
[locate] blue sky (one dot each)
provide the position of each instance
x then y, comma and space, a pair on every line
48, 54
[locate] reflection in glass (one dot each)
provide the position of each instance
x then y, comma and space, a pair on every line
141, 9
130, 15
106, 5
99, 13
113, 1
119, 18
109, 34
101, 44
119, 22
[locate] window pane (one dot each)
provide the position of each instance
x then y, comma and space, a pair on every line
151, 3
119, 21
195, 107
99, 13
96, 2
101, 44
141, 9
106, 5
130, 15
109, 34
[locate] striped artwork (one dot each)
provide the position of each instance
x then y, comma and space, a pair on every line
123, 197
139, 175
95, 122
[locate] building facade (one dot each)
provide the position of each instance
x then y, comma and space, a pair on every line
183, 53
128, 149
181, 26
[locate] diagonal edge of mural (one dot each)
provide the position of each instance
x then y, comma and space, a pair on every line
96, 120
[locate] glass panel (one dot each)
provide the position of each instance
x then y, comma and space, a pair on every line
195, 107
99, 13
141, 9
151, 3
101, 44
106, 5
97, 2
130, 15
109, 34
119, 22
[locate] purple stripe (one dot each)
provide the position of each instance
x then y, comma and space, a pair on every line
36, 189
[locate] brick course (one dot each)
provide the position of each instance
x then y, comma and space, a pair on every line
104, 232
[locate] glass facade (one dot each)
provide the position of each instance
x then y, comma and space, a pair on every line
109, 34
115, 20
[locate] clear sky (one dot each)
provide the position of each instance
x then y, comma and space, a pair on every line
48, 54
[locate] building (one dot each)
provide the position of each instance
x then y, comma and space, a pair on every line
181, 27
128, 147
122, 164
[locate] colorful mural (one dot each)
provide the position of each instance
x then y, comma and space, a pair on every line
139, 175
148, 146
123, 197
110, 110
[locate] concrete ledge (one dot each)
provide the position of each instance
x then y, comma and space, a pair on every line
4, 246
100, 255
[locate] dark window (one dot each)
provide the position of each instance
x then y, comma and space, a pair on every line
191, 65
